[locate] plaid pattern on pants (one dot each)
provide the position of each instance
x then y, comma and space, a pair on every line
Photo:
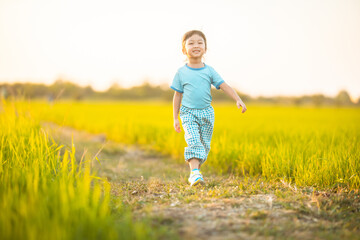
198, 125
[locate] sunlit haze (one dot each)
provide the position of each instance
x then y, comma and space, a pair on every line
259, 47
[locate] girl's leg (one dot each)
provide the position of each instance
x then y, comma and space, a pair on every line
195, 151
194, 163
206, 129
206, 135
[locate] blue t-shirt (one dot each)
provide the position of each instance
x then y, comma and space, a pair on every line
195, 84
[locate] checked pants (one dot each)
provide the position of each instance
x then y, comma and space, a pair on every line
198, 125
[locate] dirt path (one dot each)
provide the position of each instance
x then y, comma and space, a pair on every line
226, 208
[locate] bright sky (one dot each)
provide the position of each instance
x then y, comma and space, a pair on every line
268, 47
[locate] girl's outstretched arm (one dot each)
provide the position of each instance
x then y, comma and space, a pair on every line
231, 92
176, 108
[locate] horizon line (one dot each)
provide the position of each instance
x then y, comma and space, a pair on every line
145, 81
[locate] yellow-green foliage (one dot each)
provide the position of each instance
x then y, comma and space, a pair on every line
45, 193
306, 146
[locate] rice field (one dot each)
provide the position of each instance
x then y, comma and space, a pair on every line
306, 146
50, 191
46, 193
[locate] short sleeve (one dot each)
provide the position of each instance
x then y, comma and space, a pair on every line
216, 79
176, 84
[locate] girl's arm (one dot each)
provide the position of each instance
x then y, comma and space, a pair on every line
176, 107
230, 92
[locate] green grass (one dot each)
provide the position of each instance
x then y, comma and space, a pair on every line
46, 193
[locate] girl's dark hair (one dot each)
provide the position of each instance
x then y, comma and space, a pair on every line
189, 34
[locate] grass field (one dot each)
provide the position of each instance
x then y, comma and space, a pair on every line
305, 146
46, 193
294, 171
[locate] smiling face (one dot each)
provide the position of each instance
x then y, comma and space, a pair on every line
194, 47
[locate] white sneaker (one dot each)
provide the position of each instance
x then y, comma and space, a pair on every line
196, 178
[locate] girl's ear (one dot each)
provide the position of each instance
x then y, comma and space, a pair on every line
184, 51
204, 53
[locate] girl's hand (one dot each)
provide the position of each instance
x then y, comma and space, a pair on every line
177, 125
241, 104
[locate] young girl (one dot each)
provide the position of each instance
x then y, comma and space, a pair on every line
192, 84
